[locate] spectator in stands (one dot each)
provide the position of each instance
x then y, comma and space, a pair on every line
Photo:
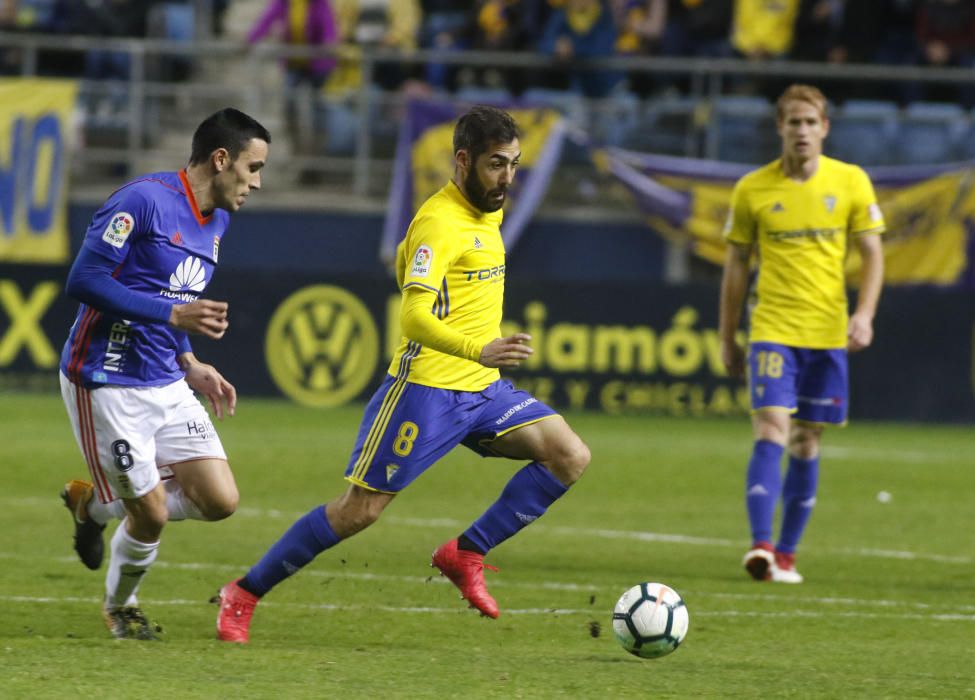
312, 25
880, 31
674, 28
9, 58
502, 25
390, 24
309, 23
946, 35
445, 28
762, 29
8, 14
641, 25
876, 31
697, 28
817, 28
582, 29
898, 45
218, 11
32, 15
104, 18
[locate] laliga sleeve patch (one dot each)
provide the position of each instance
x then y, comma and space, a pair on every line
118, 229
421, 261
875, 214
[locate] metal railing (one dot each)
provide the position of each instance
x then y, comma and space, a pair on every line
223, 72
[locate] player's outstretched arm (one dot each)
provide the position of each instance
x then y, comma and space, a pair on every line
860, 327
734, 284
203, 317
206, 380
506, 352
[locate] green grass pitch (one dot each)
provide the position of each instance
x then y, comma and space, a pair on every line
887, 609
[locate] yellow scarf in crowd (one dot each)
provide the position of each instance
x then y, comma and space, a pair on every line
582, 20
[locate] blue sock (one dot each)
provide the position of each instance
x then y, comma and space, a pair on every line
798, 499
310, 535
524, 499
762, 488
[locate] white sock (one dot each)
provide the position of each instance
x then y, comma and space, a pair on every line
129, 562
179, 504
101, 513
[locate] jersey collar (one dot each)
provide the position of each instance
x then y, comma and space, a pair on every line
202, 220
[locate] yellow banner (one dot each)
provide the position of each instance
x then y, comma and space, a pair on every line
927, 220
925, 241
35, 140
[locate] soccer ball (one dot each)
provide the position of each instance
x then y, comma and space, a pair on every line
650, 620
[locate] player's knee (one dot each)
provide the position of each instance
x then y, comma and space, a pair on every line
351, 521
354, 511
221, 507
804, 442
571, 462
804, 449
146, 523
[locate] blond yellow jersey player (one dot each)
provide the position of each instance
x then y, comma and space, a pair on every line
443, 388
800, 214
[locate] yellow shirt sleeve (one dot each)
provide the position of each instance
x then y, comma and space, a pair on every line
420, 325
431, 247
865, 214
400, 263
740, 225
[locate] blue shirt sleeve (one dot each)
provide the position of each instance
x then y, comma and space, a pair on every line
124, 217
182, 343
90, 281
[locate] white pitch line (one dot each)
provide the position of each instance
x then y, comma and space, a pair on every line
576, 532
603, 589
879, 453
589, 612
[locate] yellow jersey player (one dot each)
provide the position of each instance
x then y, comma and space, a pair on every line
800, 214
443, 388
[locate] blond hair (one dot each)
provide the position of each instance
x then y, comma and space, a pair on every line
801, 93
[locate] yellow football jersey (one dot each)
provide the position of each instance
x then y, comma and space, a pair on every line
764, 25
455, 251
802, 231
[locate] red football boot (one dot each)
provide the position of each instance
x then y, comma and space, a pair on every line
759, 561
466, 571
236, 610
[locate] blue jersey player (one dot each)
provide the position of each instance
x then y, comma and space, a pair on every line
442, 389
128, 371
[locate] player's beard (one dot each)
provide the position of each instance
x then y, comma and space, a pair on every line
479, 196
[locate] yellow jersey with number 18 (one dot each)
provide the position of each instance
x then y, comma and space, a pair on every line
455, 251
802, 231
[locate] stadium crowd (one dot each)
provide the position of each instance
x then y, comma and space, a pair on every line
898, 32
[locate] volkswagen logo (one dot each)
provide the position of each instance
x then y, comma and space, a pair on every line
322, 346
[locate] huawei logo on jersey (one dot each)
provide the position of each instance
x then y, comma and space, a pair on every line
189, 276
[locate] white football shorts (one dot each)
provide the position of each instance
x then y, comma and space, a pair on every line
128, 435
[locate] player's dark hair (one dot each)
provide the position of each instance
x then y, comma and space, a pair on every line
229, 128
481, 126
